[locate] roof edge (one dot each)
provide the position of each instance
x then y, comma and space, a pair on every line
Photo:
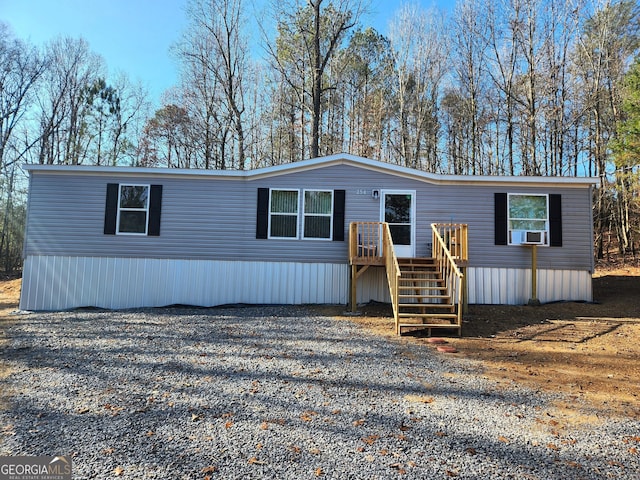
314, 163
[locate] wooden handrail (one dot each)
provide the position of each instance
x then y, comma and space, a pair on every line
365, 243
455, 241
393, 272
454, 236
370, 243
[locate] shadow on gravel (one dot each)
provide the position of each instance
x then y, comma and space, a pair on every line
261, 392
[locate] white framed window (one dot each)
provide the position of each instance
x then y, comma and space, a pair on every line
528, 218
306, 214
133, 209
317, 214
283, 213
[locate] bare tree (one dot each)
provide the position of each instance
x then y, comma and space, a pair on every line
21, 67
73, 69
470, 47
317, 29
420, 57
214, 58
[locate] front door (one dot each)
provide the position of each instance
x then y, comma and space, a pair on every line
398, 210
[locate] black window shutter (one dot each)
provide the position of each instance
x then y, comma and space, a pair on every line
111, 209
338, 215
500, 205
262, 216
555, 220
155, 207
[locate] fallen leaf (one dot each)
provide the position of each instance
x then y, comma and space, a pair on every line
259, 446
308, 415
503, 439
255, 461
357, 423
118, 471
228, 424
384, 452
370, 439
633, 450
314, 451
107, 451
194, 417
470, 450
150, 433
295, 449
82, 410
553, 446
264, 426
210, 469
451, 473
419, 399
319, 472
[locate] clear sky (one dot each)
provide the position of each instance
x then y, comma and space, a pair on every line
134, 36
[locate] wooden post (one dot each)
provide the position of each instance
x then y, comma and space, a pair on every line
465, 291
533, 301
354, 280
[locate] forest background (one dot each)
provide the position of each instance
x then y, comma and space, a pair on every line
509, 87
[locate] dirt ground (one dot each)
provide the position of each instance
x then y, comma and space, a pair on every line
590, 351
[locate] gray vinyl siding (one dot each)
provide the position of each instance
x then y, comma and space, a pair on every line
215, 218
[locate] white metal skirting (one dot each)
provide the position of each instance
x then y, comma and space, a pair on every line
509, 286
59, 283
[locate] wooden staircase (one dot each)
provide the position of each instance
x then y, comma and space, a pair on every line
424, 298
425, 292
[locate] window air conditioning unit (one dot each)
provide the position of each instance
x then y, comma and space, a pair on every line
533, 238
528, 237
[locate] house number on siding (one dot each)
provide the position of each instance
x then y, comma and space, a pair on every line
363, 191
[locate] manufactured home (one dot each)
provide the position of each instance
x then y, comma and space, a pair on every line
312, 232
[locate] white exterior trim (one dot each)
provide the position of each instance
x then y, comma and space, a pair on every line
59, 283
320, 162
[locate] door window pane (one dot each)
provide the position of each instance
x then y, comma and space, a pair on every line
397, 208
400, 234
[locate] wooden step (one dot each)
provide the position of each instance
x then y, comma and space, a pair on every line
429, 326
421, 296
422, 287
416, 261
438, 281
428, 315
435, 306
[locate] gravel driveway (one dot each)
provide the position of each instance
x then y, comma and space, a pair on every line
275, 392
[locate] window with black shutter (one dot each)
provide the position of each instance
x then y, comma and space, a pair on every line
133, 209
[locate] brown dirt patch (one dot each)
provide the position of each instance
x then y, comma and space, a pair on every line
589, 351
9, 297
